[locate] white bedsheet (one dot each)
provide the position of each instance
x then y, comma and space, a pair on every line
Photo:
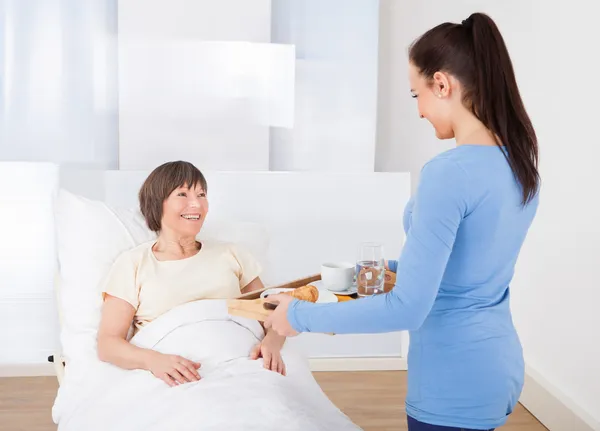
235, 393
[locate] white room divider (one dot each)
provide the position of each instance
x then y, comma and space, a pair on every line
28, 322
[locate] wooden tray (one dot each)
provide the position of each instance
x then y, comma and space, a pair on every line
252, 306
255, 309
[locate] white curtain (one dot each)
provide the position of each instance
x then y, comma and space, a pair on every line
58, 82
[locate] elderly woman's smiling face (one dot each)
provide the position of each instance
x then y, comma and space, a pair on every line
184, 210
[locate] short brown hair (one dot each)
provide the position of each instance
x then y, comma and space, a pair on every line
161, 183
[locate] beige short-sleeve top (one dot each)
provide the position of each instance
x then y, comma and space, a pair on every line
218, 271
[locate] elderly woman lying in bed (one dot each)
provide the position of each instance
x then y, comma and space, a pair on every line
155, 277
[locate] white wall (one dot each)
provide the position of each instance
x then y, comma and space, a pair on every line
319, 70
187, 82
336, 85
558, 272
556, 291
58, 82
404, 141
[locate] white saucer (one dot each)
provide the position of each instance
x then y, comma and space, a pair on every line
348, 291
324, 294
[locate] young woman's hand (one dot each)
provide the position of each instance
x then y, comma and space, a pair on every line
277, 320
270, 350
391, 265
172, 369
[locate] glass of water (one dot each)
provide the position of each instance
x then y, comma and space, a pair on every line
370, 269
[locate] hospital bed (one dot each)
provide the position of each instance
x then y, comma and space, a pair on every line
290, 221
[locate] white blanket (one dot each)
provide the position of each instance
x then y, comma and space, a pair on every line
235, 393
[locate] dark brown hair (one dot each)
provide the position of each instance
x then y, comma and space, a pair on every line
161, 183
474, 52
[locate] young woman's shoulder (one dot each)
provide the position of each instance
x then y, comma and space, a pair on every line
444, 184
471, 163
447, 165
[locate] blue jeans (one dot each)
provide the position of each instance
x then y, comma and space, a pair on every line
415, 425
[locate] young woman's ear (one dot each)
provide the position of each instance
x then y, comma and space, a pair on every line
441, 84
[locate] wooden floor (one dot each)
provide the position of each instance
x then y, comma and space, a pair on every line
373, 400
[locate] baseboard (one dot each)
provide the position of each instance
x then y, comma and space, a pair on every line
551, 407
27, 370
358, 364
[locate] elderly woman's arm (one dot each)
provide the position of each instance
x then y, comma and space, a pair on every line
114, 348
270, 347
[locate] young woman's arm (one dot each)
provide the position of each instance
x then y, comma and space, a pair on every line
113, 347
440, 205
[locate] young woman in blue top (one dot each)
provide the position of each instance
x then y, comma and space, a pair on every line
464, 229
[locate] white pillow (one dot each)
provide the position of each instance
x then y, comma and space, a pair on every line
90, 235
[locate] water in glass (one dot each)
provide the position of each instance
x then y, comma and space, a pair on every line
370, 270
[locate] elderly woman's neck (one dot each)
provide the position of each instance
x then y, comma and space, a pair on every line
176, 246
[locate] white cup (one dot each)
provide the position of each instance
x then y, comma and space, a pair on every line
337, 276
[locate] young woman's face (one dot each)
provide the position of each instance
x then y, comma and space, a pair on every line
432, 101
184, 211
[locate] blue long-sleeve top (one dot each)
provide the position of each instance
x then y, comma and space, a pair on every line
464, 229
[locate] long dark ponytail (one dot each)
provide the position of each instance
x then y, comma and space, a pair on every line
475, 53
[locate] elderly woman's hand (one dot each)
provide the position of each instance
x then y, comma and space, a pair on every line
270, 350
278, 321
172, 369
